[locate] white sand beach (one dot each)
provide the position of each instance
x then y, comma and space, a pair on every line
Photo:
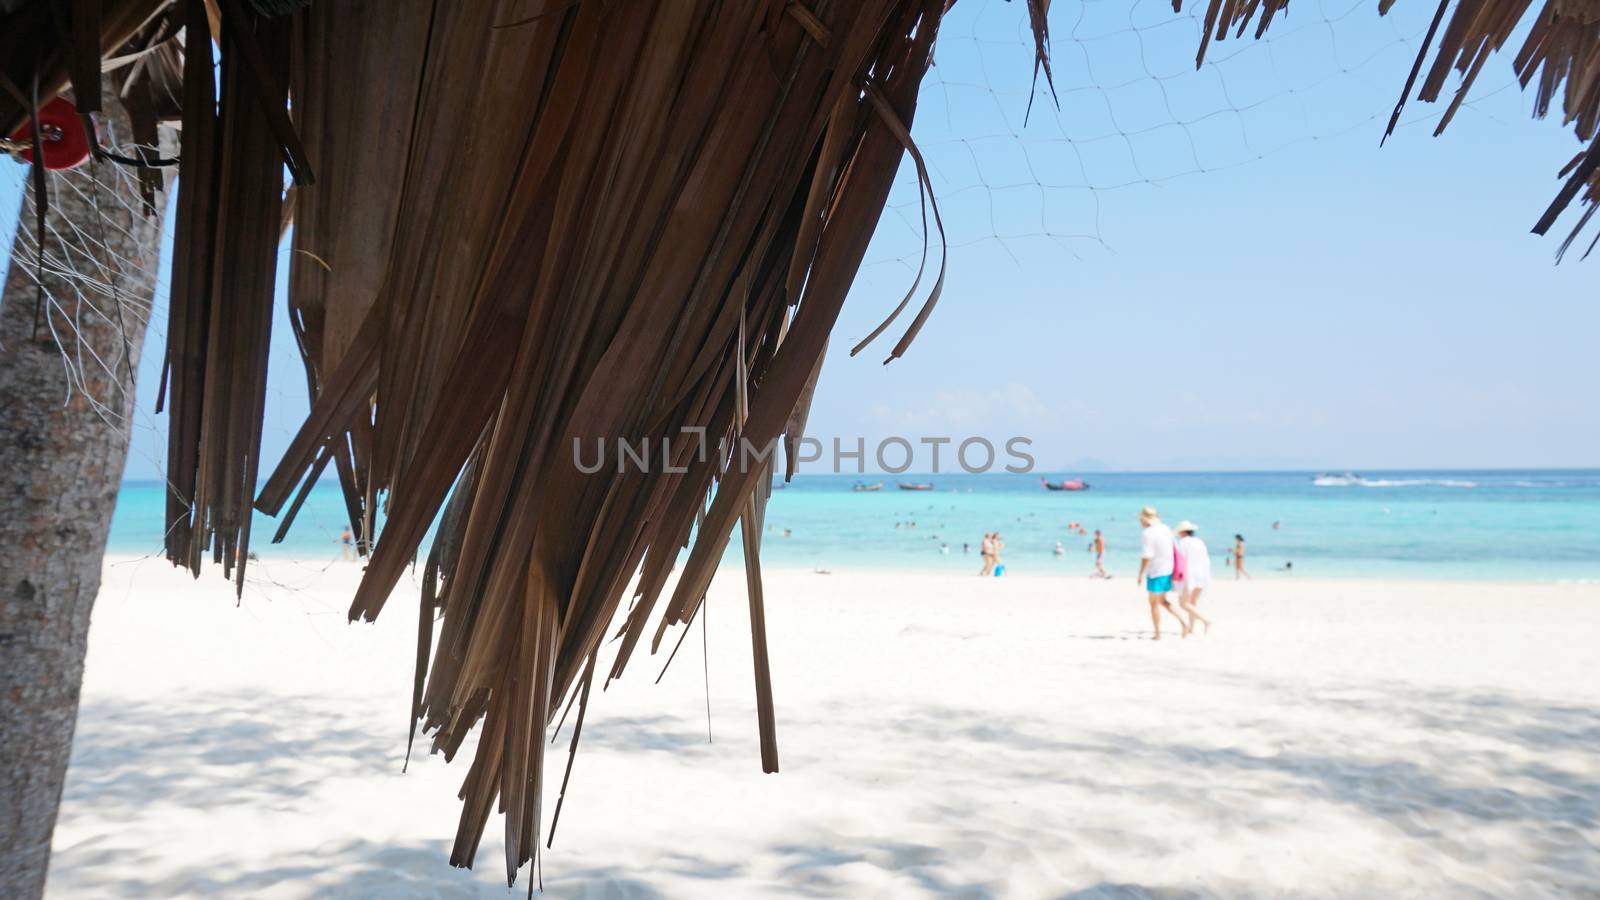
1015, 737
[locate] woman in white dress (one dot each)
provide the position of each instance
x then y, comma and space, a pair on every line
1196, 573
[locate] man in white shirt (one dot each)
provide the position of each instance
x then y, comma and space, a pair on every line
1155, 567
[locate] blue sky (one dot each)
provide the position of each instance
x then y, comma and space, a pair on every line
1199, 270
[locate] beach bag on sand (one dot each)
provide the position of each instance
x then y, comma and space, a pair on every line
1178, 568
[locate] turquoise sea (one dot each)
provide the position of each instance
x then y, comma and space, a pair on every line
1542, 525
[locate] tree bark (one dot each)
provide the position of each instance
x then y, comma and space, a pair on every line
66, 403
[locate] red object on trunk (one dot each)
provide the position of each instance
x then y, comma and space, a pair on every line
61, 136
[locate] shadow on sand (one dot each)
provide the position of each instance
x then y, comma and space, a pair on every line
1488, 759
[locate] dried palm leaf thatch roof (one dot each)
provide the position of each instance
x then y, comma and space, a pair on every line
526, 226
534, 227
45, 48
581, 252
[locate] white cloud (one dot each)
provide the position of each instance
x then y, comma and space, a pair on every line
1012, 407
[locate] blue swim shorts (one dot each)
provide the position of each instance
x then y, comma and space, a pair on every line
1158, 585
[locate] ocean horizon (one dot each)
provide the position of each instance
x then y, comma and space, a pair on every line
1537, 524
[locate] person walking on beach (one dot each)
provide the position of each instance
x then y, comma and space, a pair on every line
986, 550
1100, 555
345, 546
996, 544
1196, 574
1239, 571
1157, 559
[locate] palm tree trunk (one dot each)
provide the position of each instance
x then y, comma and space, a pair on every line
67, 369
